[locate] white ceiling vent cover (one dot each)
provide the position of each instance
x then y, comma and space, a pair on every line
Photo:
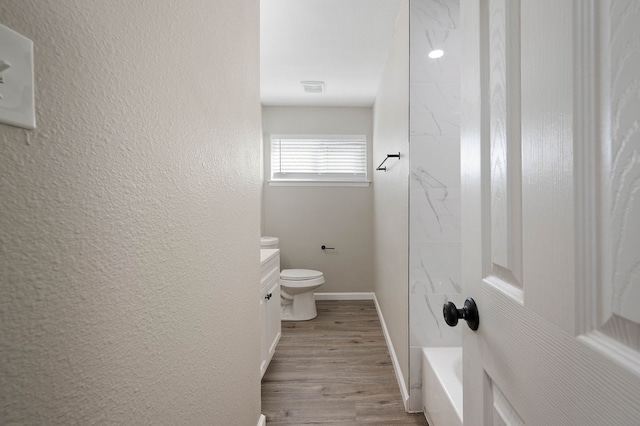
313, 86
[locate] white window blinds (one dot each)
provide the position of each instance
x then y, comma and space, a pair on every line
325, 158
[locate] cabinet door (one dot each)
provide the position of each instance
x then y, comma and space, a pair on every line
264, 330
273, 318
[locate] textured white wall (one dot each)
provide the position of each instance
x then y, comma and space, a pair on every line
391, 199
305, 218
130, 217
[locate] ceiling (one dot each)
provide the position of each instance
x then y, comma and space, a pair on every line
344, 43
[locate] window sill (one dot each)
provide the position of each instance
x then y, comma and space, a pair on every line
361, 184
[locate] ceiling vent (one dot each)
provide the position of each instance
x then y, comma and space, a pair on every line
313, 86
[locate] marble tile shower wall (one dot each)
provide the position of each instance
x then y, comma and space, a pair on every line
434, 189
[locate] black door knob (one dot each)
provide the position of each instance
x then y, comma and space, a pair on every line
469, 313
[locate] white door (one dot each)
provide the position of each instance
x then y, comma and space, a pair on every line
551, 211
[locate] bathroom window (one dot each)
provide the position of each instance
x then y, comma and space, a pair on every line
320, 160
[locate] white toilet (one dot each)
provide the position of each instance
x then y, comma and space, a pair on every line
296, 288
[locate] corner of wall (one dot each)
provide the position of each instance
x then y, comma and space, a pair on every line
391, 133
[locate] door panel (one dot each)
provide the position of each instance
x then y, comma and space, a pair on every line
505, 142
547, 159
621, 84
501, 411
551, 211
548, 376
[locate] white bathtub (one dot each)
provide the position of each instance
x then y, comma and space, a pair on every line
442, 386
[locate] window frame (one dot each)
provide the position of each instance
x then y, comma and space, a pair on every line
313, 179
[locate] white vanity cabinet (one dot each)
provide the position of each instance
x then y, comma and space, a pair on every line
269, 305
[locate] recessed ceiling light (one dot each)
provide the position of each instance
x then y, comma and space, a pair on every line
313, 86
435, 54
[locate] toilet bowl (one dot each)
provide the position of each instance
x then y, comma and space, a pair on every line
296, 293
297, 300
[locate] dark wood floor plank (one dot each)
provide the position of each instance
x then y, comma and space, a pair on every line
334, 370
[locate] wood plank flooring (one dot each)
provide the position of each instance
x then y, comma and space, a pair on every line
334, 369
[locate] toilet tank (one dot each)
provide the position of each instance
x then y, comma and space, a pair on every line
269, 242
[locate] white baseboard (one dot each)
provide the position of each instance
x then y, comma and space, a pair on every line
345, 296
262, 421
394, 358
392, 352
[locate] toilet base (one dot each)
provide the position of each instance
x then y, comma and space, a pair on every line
300, 307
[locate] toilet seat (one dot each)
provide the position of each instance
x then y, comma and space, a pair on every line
301, 277
299, 274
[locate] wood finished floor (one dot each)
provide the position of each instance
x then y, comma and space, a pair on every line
334, 369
